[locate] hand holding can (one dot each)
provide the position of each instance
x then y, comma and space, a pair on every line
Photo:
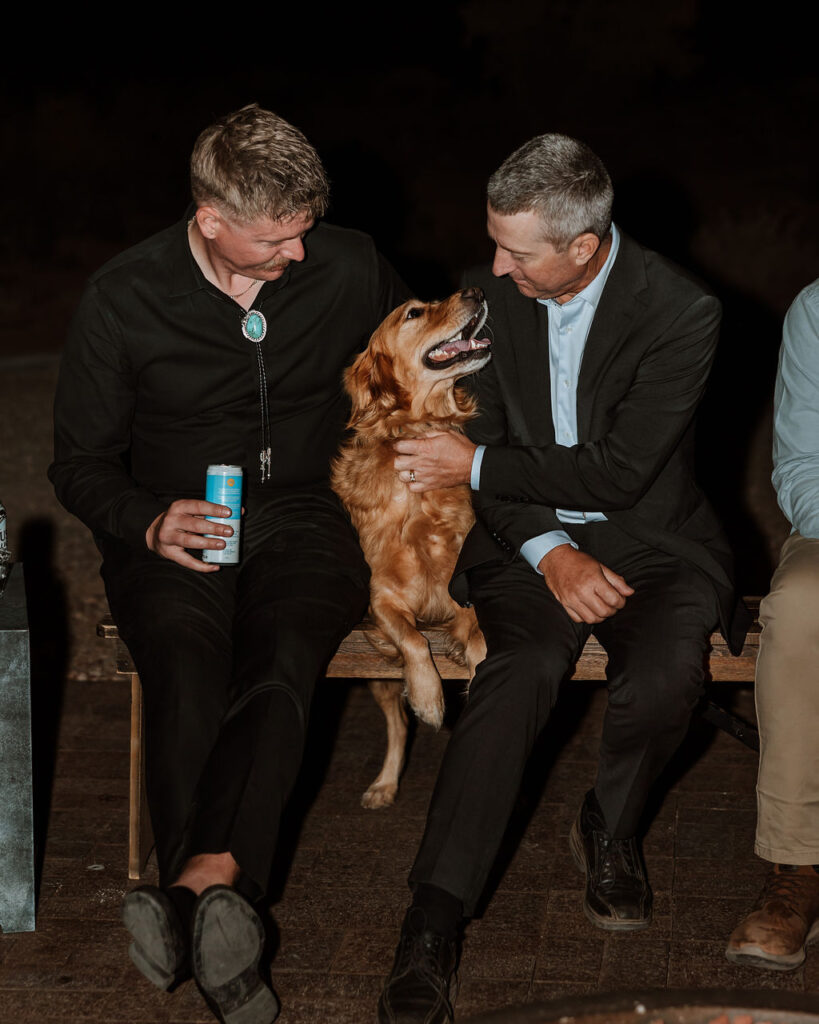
223, 486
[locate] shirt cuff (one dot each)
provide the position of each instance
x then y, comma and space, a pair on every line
533, 550
475, 476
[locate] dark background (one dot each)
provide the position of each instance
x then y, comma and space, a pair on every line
704, 114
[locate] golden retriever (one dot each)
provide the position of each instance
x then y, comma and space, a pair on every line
403, 386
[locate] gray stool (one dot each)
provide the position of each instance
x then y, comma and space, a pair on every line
16, 814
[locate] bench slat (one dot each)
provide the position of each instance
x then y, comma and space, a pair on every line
357, 658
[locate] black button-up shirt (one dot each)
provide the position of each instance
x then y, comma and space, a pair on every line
157, 380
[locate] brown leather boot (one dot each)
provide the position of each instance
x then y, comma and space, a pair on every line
784, 920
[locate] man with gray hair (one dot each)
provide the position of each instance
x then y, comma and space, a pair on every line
589, 520
222, 340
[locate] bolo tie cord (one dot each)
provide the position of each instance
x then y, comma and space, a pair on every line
265, 450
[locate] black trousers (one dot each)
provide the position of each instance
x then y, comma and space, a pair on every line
228, 662
656, 645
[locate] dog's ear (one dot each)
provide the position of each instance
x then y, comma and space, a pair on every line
372, 386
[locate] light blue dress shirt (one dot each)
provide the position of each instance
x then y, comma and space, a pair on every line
569, 325
796, 415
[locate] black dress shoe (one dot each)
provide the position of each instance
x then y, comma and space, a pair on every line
618, 896
227, 944
419, 988
160, 930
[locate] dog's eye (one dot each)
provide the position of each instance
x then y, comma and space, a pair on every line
413, 312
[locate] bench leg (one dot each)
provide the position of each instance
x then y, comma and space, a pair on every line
735, 726
389, 696
140, 834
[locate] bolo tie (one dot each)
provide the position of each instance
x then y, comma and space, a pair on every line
254, 328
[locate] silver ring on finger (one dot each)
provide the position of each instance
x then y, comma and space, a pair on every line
412, 476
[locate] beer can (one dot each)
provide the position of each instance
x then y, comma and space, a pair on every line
223, 486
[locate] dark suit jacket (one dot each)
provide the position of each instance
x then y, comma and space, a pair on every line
644, 369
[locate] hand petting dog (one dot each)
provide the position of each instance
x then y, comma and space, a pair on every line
438, 459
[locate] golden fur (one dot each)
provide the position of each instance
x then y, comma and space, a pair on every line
403, 386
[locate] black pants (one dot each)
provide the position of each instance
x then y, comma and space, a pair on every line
228, 662
656, 646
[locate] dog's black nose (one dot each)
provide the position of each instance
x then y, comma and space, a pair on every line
473, 293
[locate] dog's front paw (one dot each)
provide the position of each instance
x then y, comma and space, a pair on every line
379, 794
428, 707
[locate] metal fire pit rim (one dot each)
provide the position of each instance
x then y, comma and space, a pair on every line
733, 1000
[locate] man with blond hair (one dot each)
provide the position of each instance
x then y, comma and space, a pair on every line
222, 340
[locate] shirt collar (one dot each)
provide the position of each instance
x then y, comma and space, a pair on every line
594, 289
185, 276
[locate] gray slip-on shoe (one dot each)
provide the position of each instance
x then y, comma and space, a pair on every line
228, 939
159, 949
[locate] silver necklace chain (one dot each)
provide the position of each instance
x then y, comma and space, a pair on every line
238, 295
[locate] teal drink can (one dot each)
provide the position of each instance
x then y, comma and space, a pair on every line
223, 486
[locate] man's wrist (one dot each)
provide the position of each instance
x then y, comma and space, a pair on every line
475, 473
536, 549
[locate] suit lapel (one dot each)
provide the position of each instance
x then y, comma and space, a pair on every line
529, 345
609, 330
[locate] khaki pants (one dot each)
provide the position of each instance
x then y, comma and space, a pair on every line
787, 703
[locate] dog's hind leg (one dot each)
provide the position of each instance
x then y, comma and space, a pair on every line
468, 638
390, 699
422, 684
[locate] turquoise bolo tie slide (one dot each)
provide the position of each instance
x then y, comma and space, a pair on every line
254, 325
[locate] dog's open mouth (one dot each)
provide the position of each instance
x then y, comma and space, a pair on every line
463, 346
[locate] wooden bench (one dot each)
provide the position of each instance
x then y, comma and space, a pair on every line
356, 658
